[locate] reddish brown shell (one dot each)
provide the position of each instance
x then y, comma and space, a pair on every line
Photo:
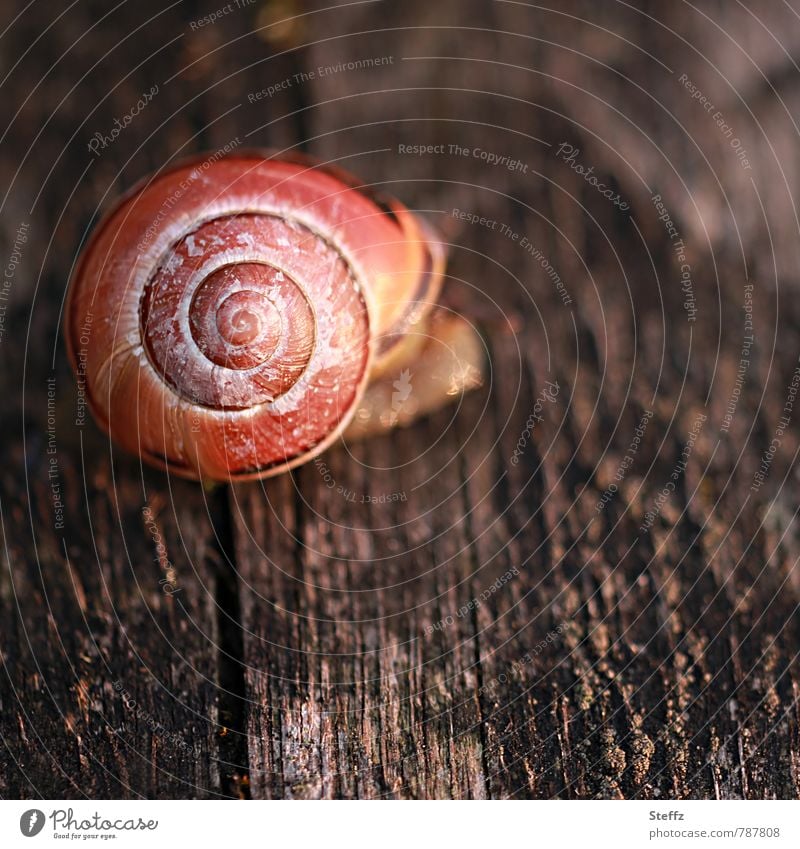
239, 306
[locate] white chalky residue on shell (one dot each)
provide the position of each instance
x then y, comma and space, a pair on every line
192, 248
173, 263
247, 240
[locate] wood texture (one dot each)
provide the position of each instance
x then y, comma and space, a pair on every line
420, 616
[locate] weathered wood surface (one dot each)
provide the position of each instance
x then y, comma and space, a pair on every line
487, 632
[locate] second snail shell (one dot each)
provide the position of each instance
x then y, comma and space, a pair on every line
227, 315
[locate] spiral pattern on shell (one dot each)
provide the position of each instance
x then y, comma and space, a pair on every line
239, 307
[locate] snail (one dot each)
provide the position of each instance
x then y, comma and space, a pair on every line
231, 316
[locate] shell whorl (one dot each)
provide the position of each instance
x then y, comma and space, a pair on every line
241, 307
228, 320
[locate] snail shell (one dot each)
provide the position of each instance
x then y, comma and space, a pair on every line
239, 306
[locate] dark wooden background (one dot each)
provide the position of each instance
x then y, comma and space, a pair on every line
299, 656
